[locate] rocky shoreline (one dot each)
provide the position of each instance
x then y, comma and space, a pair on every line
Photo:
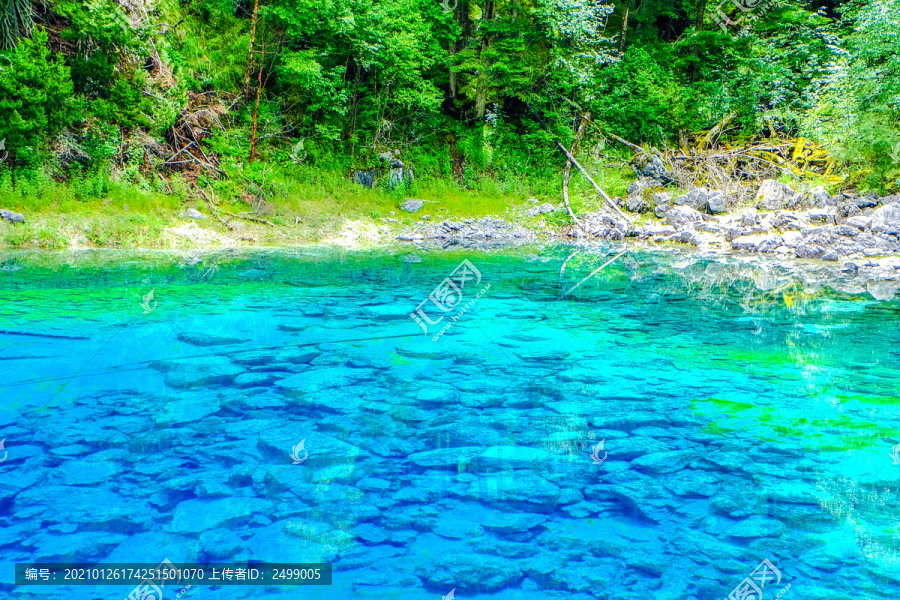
780, 222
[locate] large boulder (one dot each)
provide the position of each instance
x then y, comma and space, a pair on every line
400, 176
716, 203
867, 201
364, 178
679, 216
886, 220
662, 201
849, 208
753, 243
786, 220
541, 209
749, 217
662, 198
809, 251
12, 217
696, 199
636, 204
687, 237
817, 197
651, 167
773, 195
410, 205
642, 184
860, 222
823, 215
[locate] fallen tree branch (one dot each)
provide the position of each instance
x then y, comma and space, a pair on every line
622, 141
595, 271
562, 269
587, 117
215, 212
540, 120
166, 183
177, 153
246, 218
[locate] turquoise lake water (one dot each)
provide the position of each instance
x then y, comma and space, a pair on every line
745, 416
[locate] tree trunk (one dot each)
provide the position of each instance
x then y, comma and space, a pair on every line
465, 25
250, 55
256, 107
452, 77
452, 51
483, 80
624, 30
567, 172
698, 27
701, 12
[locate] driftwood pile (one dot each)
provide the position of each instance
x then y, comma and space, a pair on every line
703, 160
194, 124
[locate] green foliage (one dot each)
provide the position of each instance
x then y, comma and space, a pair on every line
36, 97
641, 99
454, 90
857, 106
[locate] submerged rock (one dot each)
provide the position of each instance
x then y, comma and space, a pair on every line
197, 372
206, 339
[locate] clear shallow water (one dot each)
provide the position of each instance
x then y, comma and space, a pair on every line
745, 416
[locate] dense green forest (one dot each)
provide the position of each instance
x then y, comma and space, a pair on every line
239, 97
